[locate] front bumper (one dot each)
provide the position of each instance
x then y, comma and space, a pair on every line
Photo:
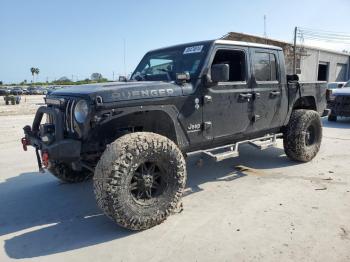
60, 148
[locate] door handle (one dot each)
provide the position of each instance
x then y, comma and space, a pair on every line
275, 93
256, 95
245, 96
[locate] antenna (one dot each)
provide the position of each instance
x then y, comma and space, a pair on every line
265, 35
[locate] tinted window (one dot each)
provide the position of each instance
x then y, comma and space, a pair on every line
273, 64
236, 60
265, 67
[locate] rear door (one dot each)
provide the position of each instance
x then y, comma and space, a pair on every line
227, 105
268, 111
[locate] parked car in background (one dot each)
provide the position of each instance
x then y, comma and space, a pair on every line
42, 91
340, 103
3, 91
332, 86
25, 91
53, 88
16, 91
33, 91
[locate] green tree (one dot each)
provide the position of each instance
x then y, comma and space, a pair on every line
37, 71
0, 83
32, 70
96, 76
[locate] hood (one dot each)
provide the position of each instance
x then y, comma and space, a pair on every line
345, 91
122, 91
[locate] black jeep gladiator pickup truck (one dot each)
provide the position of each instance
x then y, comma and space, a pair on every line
132, 137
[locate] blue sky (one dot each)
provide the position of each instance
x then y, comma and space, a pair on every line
76, 37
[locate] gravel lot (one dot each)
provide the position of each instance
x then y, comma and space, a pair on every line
27, 106
269, 209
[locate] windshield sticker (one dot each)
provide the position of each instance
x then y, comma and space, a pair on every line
193, 49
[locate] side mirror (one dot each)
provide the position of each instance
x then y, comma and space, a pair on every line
220, 73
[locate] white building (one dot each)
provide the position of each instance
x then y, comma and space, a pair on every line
313, 63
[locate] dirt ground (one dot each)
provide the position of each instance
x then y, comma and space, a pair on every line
28, 105
258, 207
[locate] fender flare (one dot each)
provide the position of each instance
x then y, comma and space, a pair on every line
170, 110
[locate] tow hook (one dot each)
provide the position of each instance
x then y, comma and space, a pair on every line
25, 143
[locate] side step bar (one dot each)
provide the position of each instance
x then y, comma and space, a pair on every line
228, 151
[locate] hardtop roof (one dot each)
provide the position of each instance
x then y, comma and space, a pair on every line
222, 42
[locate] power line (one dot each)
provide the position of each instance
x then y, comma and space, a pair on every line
322, 35
319, 30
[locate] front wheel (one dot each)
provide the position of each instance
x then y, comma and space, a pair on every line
140, 179
303, 135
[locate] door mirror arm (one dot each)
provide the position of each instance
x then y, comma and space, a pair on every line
253, 80
206, 80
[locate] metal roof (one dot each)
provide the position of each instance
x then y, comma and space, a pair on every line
235, 34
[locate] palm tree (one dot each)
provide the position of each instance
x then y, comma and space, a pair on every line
32, 70
37, 71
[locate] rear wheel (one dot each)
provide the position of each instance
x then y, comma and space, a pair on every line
139, 180
303, 135
66, 174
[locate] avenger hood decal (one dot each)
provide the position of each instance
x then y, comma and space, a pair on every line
122, 91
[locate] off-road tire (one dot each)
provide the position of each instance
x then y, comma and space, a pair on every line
66, 174
299, 144
332, 118
116, 169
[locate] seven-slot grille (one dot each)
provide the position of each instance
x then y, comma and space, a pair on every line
69, 115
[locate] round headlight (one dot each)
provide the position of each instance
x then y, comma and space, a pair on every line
81, 111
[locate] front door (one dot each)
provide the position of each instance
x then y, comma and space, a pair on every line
227, 106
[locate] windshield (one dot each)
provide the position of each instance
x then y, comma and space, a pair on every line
347, 84
163, 65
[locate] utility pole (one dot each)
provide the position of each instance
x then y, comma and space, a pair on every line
124, 57
113, 75
295, 51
